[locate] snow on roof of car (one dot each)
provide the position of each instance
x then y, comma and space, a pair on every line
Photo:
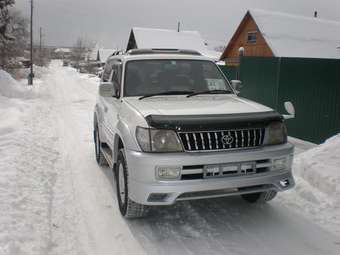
150, 38
298, 36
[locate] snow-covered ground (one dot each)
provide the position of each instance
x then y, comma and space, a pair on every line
54, 199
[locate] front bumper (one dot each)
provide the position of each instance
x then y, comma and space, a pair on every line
146, 188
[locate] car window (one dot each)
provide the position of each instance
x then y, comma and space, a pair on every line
107, 71
116, 74
143, 77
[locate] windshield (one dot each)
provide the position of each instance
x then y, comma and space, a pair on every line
145, 77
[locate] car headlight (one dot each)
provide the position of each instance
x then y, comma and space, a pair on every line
158, 140
276, 133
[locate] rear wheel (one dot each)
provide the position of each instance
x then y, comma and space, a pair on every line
260, 197
97, 145
127, 207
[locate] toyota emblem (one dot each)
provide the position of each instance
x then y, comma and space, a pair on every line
227, 139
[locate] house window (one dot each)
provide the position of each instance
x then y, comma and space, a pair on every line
251, 37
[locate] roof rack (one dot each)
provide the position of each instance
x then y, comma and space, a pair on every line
117, 52
162, 51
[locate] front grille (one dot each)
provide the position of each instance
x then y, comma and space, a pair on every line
222, 140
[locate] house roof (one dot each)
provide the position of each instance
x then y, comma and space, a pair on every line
298, 36
170, 39
64, 50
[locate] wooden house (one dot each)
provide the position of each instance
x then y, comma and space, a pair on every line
275, 34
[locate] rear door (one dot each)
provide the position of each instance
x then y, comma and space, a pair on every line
112, 104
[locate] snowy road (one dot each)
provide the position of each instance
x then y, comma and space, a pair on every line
64, 203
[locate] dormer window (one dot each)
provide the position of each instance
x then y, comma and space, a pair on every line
251, 37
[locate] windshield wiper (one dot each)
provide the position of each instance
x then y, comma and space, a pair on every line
171, 92
214, 91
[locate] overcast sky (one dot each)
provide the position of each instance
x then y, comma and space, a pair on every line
108, 22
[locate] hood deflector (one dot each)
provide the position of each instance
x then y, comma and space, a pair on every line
212, 121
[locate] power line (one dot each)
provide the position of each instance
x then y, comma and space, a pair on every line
41, 35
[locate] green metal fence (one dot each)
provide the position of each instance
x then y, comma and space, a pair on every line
312, 85
229, 71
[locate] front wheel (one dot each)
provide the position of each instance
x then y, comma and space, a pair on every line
127, 207
260, 197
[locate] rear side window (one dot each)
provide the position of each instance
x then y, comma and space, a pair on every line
107, 71
116, 73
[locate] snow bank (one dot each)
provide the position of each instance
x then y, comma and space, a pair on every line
320, 167
317, 191
13, 96
10, 87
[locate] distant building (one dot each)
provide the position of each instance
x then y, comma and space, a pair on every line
60, 53
103, 54
100, 55
150, 38
268, 34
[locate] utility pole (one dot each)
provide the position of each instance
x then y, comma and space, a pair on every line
40, 46
40, 38
31, 74
178, 26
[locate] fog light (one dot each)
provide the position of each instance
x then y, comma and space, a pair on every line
279, 164
157, 197
168, 172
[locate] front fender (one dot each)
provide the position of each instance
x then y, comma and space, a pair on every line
126, 134
98, 115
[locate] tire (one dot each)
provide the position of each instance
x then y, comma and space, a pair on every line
99, 154
128, 208
260, 197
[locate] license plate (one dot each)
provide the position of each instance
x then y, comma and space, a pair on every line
232, 169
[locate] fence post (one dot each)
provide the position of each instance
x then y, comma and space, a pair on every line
278, 73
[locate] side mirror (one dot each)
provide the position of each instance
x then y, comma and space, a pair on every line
106, 89
237, 85
290, 109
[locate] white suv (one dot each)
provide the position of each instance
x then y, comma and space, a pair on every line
172, 128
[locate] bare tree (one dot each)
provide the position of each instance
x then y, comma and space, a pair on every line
81, 49
82, 46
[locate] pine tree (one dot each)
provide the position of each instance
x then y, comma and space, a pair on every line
13, 34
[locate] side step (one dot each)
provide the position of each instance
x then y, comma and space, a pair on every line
107, 154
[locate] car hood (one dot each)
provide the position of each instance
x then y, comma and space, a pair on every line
198, 105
